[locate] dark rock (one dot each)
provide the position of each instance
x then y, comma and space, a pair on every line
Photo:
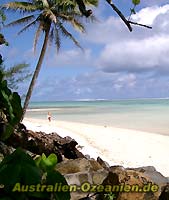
152, 174
87, 156
40, 142
111, 180
5, 149
78, 165
142, 179
165, 193
103, 163
67, 146
79, 171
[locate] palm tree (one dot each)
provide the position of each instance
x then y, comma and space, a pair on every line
49, 16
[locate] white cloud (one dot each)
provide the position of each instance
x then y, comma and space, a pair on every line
153, 2
101, 85
9, 52
30, 54
107, 30
73, 57
127, 65
128, 80
136, 55
149, 14
140, 51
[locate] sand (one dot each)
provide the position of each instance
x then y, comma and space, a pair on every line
129, 148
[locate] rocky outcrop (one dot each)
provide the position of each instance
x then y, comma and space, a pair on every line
143, 183
100, 181
80, 171
40, 142
165, 193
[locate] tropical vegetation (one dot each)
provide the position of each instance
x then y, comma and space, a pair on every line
50, 17
19, 172
21, 177
15, 74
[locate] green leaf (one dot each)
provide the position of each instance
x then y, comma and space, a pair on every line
5, 87
40, 195
8, 106
132, 11
136, 2
2, 15
37, 160
48, 163
17, 109
7, 133
54, 177
3, 84
53, 159
43, 156
18, 167
6, 198
9, 174
6, 44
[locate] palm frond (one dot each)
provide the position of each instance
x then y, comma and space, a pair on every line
45, 3
57, 38
28, 26
74, 13
68, 34
63, 5
54, 36
51, 36
37, 34
93, 19
22, 6
48, 13
91, 2
21, 21
77, 25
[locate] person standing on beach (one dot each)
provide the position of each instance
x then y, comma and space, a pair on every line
49, 116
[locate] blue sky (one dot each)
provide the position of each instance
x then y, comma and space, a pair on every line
115, 63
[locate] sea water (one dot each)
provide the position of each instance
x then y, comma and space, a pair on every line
150, 115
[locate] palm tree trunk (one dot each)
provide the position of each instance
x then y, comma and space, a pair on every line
36, 72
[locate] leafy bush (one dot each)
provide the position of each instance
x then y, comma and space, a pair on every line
20, 175
10, 109
19, 170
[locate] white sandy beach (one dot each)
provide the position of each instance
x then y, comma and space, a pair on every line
128, 148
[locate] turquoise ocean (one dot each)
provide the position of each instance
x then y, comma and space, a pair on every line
150, 115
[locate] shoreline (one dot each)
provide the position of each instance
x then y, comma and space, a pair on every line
129, 148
